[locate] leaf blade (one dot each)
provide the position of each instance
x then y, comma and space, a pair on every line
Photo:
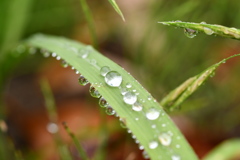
116, 8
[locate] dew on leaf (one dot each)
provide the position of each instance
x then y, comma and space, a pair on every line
130, 97
165, 139
208, 31
54, 54
104, 70
137, 106
94, 93
103, 103
152, 114
52, 128
58, 58
113, 79
190, 33
145, 155
128, 85
82, 80
64, 64
110, 111
123, 90
153, 144
175, 157
141, 147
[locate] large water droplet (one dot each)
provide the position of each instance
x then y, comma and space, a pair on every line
130, 97
208, 31
110, 110
137, 106
104, 70
190, 33
165, 139
176, 157
153, 144
82, 80
152, 114
113, 79
94, 93
103, 103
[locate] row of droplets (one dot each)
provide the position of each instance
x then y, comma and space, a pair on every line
130, 97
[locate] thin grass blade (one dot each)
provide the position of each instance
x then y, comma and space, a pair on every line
209, 29
117, 9
181, 93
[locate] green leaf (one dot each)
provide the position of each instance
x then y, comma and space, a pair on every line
209, 29
166, 137
229, 149
187, 88
117, 9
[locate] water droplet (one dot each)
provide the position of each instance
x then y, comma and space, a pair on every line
103, 103
123, 91
52, 128
110, 111
54, 54
77, 72
176, 157
136, 118
165, 139
137, 106
163, 125
82, 80
32, 50
129, 131
58, 58
208, 31
152, 114
130, 97
203, 22
153, 144
190, 33
104, 70
154, 126
134, 90
128, 85
141, 147
136, 141
94, 93
93, 61
113, 79
178, 146
64, 64
224, 61
133, 136
45, 53
145, 155
72, 68
123, 122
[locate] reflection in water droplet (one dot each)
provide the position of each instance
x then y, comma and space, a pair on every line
94, 93
208, 31
165, 139
104, 70
103, 103
110, 110
82, 80
152, 114
145, 155
190, 33
52, 128
153, 144
137, 106
130, 98
113, 79
176, 157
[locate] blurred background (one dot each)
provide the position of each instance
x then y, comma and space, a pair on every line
159, 57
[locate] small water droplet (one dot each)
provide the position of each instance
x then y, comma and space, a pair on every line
224, 61
136, 141
141, 147
190, 33
113, 79
58, 58
64, 64
128, 85
104, 70
123, 122
145, 155
123, 90
176, 157
133, 136
134, 90
93, 61
153, 144
163, 125
110, 111
52, 128
94, 93
129, 97
208, 31
178, 146
54, 54
45, 53
77, 72
154, 126
203, 22
82, 80
103, 103
32, 50
136, 118
137, 106
165, 139
152, 114
129, 131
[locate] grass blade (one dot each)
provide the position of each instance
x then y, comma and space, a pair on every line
153, 128
89, 18
117, 9
187, 88
229, 149
80, 149
209, 29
